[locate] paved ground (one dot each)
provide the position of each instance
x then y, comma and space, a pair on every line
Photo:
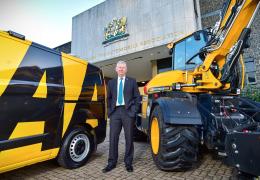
144, 168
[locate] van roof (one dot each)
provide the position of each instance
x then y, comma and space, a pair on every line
45, 48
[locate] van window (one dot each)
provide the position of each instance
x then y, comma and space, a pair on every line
93, 76
36, 62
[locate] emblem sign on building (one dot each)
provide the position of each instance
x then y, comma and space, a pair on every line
115, 31
112, 22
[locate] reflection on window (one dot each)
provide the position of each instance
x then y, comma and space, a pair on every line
164, 65
92, 79
250, 70
179, 56
185, 50
164, 70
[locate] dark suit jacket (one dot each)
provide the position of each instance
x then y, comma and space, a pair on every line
131, 96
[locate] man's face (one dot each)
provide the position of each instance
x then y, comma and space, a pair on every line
121, 69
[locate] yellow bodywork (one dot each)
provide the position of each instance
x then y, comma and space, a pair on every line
11, 60
24, 129
41, 91
72, 85
73, 82
26, 155
92, 122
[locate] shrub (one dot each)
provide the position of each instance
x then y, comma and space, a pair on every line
252, 92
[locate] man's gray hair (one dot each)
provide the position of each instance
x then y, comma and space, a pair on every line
121, 62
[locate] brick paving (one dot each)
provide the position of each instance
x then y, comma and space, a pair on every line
144, 168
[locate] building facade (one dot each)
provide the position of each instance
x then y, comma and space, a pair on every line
138, 31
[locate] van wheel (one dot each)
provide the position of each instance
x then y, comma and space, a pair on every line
174, 148
76, 149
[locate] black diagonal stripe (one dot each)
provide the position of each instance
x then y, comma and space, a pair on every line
24, 141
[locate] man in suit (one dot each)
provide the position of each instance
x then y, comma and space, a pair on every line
122, 104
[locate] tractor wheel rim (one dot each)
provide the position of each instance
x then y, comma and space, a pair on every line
79, 147
155, 136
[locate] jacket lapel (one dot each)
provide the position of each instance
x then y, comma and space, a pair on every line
115, 86
126, 86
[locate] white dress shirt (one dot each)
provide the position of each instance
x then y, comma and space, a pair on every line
118, 83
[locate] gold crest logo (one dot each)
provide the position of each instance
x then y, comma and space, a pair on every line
115, 30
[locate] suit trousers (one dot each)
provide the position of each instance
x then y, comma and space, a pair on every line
118, 119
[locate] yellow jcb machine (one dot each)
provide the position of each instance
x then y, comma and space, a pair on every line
198, 102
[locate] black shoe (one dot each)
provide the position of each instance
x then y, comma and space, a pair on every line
108, 168
129, 168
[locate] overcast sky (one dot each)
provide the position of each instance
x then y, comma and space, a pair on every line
47, 22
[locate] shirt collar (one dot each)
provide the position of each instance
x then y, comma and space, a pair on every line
118, 78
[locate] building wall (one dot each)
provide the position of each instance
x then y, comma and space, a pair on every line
149, 24
209, 13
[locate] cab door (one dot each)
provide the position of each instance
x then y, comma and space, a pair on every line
31, 96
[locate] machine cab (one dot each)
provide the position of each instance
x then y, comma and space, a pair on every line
185, 52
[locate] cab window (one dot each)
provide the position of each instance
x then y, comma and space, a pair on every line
186, 49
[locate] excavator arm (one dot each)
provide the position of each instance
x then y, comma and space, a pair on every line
215, 54
230, 37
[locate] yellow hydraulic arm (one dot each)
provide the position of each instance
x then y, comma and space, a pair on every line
222, 52
231, 36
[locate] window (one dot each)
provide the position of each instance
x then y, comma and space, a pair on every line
92, 79
179, 56
193, 47
164, 65
250, 70
186, 49
36, 62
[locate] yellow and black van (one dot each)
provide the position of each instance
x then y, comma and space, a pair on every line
52, 105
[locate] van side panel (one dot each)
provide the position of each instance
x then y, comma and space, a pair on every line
9, 61
25, 156
95, 84
74, 73
41, 91
32, 91
24, 129
44, 95
90, 107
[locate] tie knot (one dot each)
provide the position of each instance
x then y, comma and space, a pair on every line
121, 79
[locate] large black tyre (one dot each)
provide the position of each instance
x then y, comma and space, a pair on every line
76, 149
174, 148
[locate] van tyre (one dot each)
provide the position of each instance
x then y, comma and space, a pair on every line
76, 149
174, 148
